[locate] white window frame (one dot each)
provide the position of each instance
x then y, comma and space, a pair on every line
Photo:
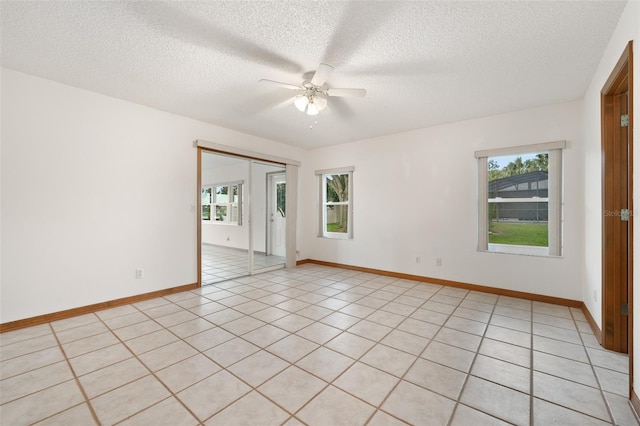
555, 150
230, 204
323, 203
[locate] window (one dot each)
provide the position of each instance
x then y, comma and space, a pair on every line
336, 213
222, 203
520, 199
281, 198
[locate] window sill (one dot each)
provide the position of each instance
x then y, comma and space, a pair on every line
531, 251
336, 237
208, 222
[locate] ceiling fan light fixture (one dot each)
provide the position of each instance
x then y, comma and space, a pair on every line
301, 102
320, 102
312, 96
312, 109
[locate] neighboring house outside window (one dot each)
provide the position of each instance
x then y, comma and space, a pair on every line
336, 203
520, 199
222, 203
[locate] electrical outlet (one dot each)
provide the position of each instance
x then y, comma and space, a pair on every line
438, 261
139, 273
418, 260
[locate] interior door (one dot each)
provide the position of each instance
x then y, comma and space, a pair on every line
276, 205
617, 223
268, 237
616, 233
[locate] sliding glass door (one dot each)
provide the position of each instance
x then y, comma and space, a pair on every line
240, 231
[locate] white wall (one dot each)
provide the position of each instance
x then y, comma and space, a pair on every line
432, 213
628, 29
92, 188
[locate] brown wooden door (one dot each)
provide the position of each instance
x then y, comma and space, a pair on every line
616, 238
617, 200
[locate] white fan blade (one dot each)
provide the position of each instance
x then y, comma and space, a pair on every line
322, 74
350, 93
281, 84
285, 103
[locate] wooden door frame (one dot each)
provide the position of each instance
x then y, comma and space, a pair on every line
620, 80
199, 215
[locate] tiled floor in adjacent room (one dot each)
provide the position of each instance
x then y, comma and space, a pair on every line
319, 346
224, 263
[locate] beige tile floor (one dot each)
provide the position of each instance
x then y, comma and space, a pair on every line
319, 346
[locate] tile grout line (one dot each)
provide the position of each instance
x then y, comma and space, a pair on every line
135, 356
531, 389
466, 374
76, 379
356, 360
584, 347
264, 349
328, 383
401, 378
418, 356
199, 352
225, 368
604, 398
473, 361
151, 373
379, 407
441, 326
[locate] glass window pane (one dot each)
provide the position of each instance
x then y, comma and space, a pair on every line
206, 195
206, 212
221, 213
222, 194
234, 213
234, 193
518, 222
337, 218
281, 198
337, 187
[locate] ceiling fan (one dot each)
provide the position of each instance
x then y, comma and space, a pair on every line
312, 95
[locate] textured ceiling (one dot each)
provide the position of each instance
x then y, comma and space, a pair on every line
422, 63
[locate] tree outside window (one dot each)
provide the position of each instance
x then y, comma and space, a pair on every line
518, 200
336, 207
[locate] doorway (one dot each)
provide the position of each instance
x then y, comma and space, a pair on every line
263, 231
232, 220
